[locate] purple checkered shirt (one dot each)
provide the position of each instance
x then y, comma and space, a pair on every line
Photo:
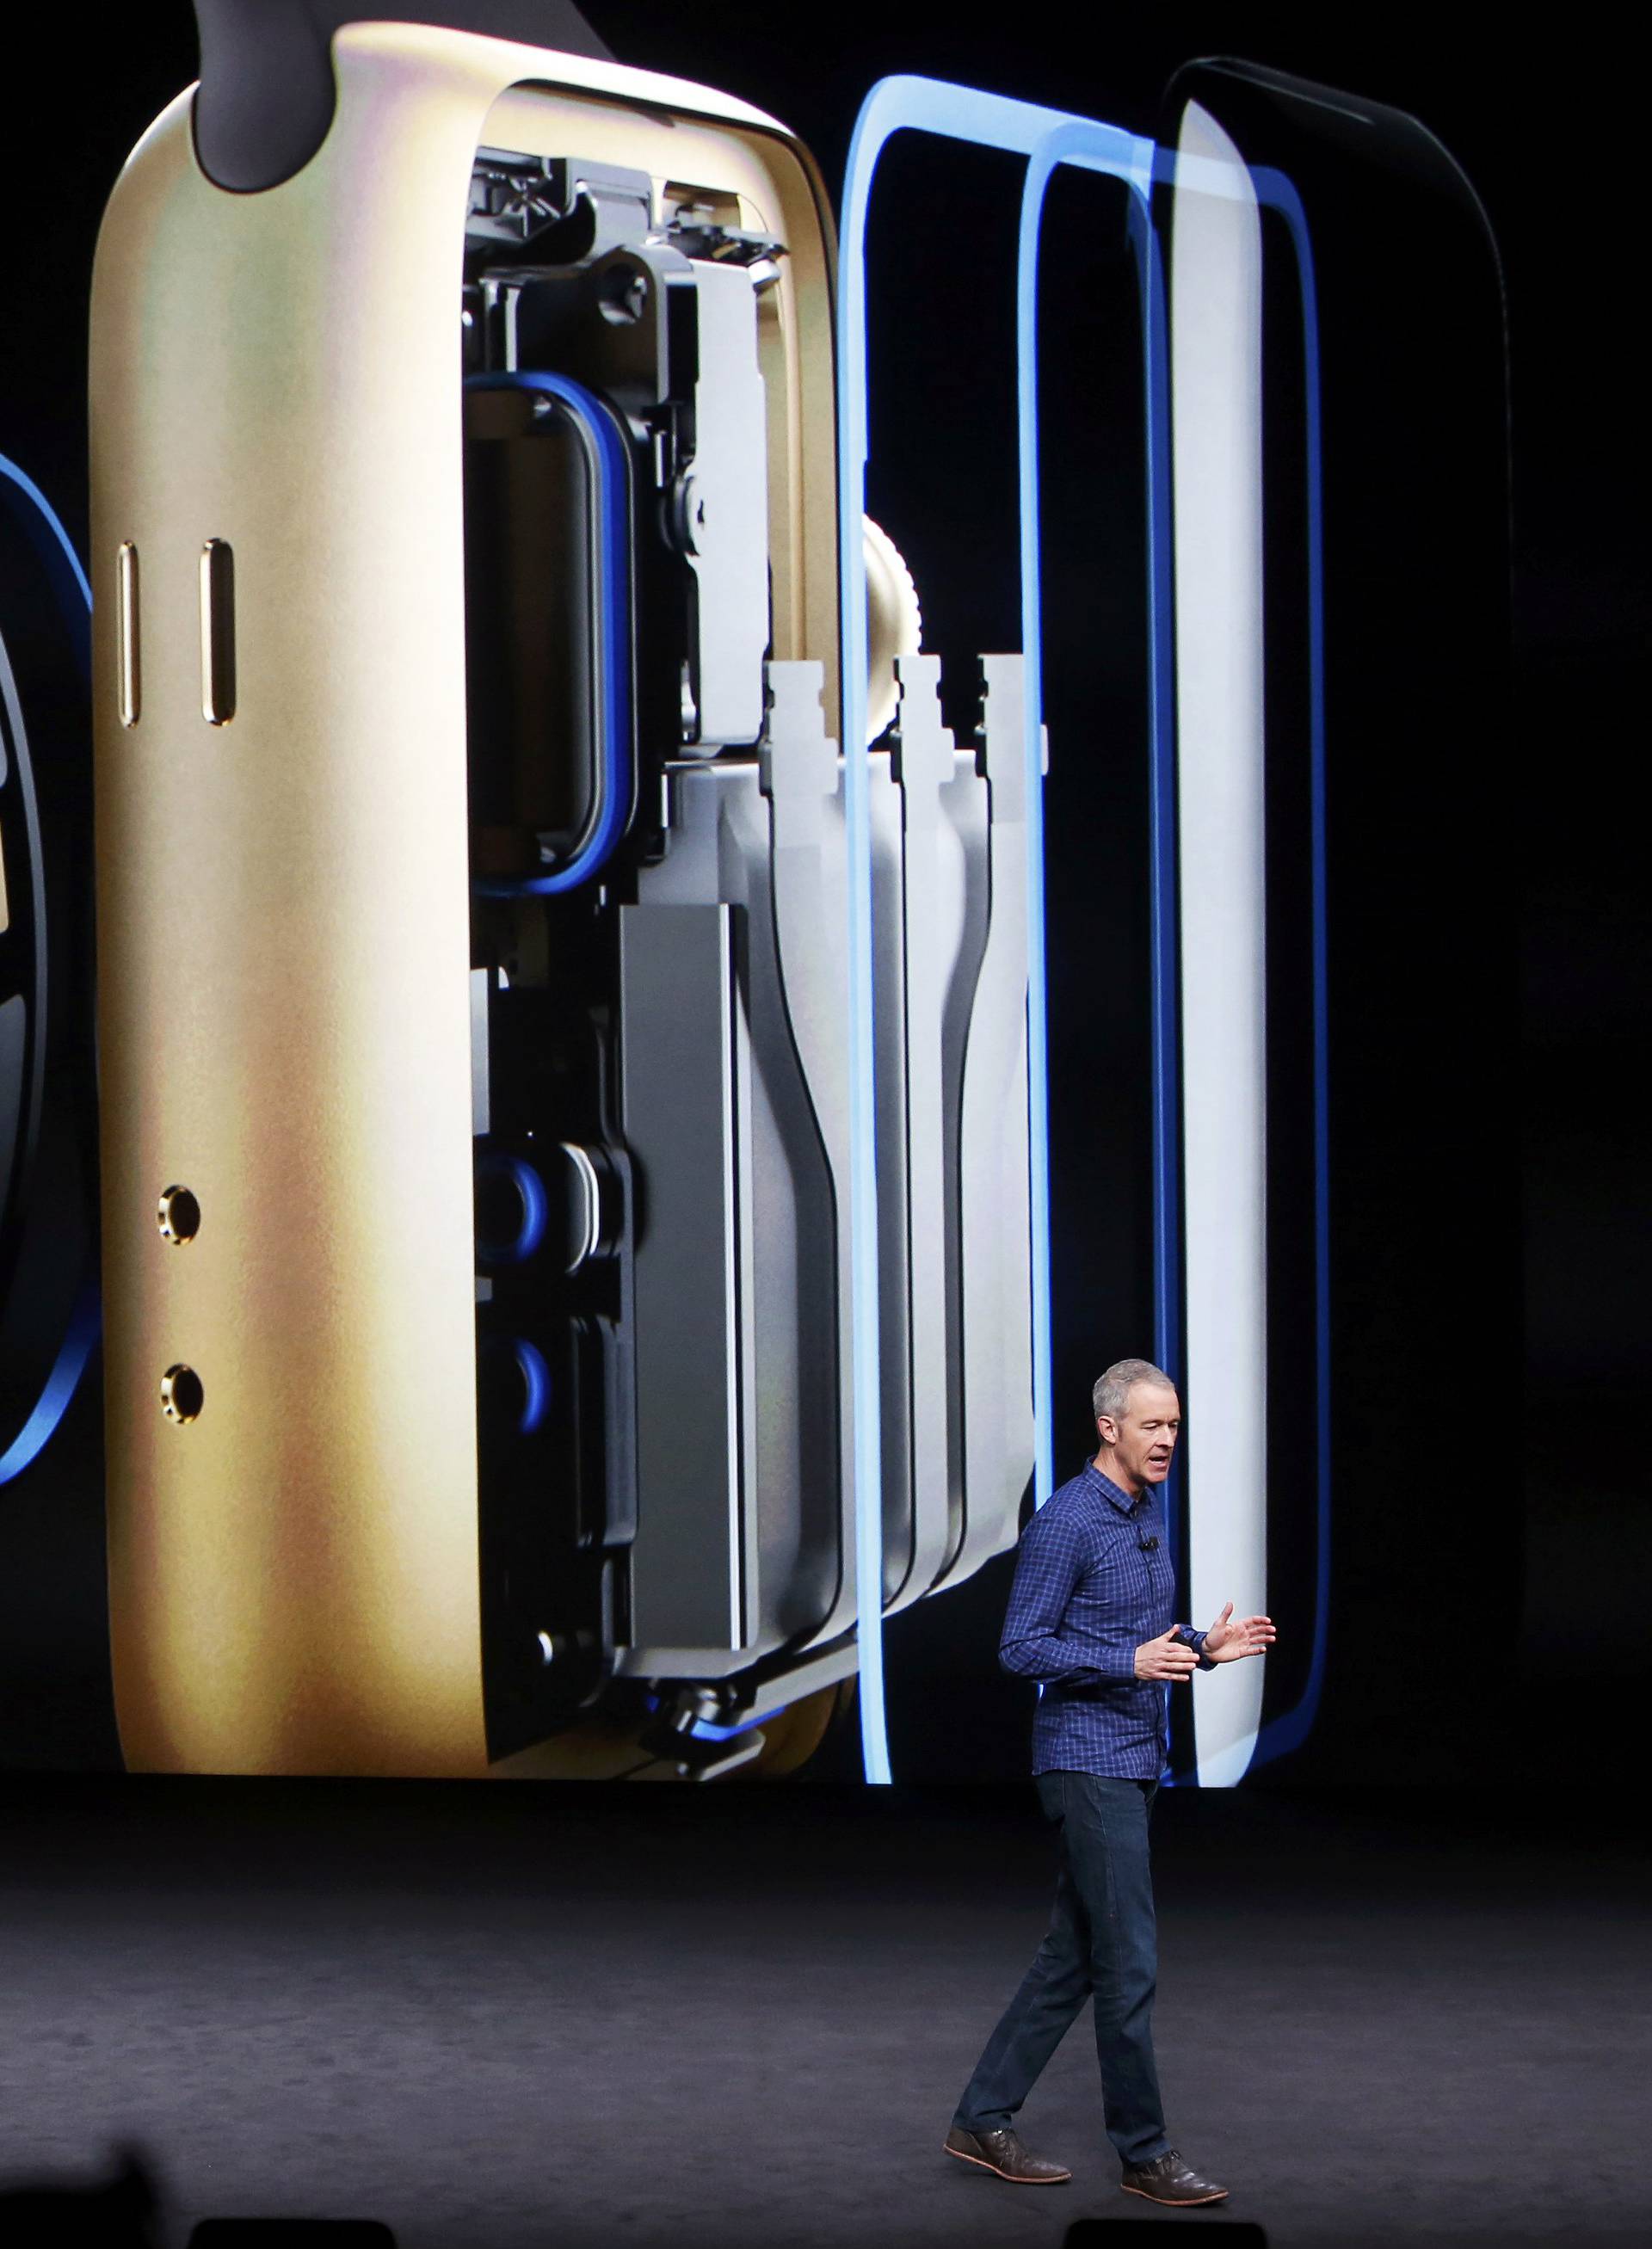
1089, 1588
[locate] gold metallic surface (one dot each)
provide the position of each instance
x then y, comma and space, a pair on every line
284, 944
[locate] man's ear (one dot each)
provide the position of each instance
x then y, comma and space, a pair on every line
1108, 1428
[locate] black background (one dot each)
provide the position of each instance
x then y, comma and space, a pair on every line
1465, 1657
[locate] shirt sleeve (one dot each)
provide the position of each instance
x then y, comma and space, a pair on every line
1037, 1641
1194, 1636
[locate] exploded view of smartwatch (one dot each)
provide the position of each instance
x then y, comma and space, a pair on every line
572, 1060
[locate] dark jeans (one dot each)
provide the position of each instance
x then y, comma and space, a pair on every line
1102, 1942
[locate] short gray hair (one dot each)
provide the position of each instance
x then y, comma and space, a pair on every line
1111, 1393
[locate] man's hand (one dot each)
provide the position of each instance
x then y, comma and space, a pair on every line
1166, 1658
1226, 1641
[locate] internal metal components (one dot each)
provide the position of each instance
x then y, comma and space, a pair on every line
660, 323
667, 1486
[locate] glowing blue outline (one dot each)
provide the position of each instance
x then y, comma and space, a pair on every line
1166, 1124
615, 530
1091, 148
1021, 128
1130, 159
46, 533
704, 1730
1049, 139
86, 1323
536, 1378
1274, 192
57, 551
535, 1208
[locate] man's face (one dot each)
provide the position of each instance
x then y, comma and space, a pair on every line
1144, 1437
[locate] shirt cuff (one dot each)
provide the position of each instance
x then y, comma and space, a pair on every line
1196, 1638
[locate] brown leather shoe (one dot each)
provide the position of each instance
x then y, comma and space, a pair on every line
1002, 2155
1168, 2179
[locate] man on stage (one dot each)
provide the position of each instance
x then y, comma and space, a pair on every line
1091, 1617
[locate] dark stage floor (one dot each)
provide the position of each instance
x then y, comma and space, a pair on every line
525, 2015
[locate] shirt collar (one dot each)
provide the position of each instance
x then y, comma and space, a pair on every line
1110, 1491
